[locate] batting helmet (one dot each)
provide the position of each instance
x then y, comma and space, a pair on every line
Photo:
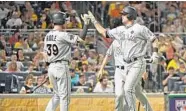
130, 12
59, 18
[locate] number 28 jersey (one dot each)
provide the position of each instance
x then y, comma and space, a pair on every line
57, 45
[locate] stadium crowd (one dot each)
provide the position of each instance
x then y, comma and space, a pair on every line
20, 49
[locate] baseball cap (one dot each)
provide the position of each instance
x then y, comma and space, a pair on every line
123, 12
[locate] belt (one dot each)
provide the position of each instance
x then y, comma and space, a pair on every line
60, 61
131, 60
120, 67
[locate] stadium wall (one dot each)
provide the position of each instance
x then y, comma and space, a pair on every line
79, 102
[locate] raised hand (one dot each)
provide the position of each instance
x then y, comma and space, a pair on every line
85, 18
91, 16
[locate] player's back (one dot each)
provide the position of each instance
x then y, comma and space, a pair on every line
58, 45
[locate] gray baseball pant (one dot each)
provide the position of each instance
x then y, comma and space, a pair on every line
120, 78
60, 79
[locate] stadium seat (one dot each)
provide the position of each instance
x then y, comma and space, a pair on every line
177, 85
111, 72
183, 88
109, 68
171, 82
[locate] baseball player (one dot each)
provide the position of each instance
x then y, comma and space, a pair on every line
57, 51
119, 78
134, 39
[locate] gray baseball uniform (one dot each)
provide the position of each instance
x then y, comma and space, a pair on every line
57, 45
134, 41
119, 78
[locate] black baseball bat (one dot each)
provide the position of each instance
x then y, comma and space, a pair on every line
40, 84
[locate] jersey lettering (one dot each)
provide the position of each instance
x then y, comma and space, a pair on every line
51, 38
52, 49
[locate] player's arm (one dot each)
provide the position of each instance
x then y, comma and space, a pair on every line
147, 34
155, 56
105, 60
86, 21
98, 27
113, 33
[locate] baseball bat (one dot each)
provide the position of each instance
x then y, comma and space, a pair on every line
139, 104
40, 84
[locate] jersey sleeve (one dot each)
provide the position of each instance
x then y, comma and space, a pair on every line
70, 38
110, 50
147, 34
113, 33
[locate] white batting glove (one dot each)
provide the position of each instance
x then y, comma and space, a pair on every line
155, 57
85, 19
91, 16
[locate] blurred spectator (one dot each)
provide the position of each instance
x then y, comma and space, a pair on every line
84, 68
73, 64
12, 67
170, 73
22, 44
92, 56
84, 59
115, 13
2, 42
175, 63
20, 56
53, 9
30, 39
169, 49
12, 40
3, 13
38, 59
76, 53
31, 68
26, 47
3, 57
67, 6
177, 42
14, 59
92, 67
34, 17
14, 21
178, 25
102, 86
73, 21
182, 68
19, 43
83, 82
74, 77
172, 14
104, 13
42, 22
28, 87
42, 89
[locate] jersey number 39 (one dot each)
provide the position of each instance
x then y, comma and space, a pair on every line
52, 49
